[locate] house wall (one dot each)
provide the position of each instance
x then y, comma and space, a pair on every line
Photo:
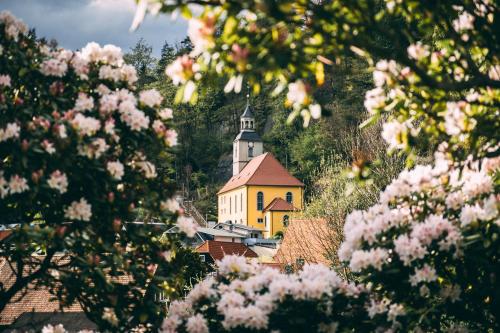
232, 206
277, 221
227, 239
270, 192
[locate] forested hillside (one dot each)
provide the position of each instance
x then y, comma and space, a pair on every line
207, 129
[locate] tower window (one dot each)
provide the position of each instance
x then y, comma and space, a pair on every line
286, 220
260, 201
250, 149
289, 197
230, 205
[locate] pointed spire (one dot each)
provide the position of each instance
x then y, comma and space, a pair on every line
248, 110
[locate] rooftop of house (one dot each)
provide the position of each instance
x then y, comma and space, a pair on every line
236, 226
35, 321
37, 298
218, 250
278, 204
219, 232
264, 169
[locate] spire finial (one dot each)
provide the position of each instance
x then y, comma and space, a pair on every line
248, 93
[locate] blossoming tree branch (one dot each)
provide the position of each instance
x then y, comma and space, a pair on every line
426, 255
74, 171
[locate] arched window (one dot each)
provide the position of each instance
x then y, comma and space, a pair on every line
289, 197
286, 220
260, 201
235, 204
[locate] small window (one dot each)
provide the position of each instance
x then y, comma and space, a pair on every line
260, 221
265, 221
241, 201
235, 204
289, 197
260, 201
230, 205
202, 258
286, 220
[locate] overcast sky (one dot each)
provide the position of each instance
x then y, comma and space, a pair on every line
74, 23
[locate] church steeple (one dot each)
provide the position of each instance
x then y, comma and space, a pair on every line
248, 143
247, 119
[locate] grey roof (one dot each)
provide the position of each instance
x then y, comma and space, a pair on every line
238, 225
248, 136
72, 321
219, 232
248, 112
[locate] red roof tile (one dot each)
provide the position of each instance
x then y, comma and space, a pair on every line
4, 234
264, 169
33, 299
218, 250
279, 204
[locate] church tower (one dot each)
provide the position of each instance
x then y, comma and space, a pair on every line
248, 143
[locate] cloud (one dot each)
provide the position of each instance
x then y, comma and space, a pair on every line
75, 23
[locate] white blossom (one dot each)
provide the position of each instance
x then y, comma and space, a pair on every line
5, 80
12, 130
53, 329
109, 315
18, 184
395, 134
58, 181
297, 93
465, 21
150, 97
79, 210
197, 324
86, 126
116, 169
187, 226
166, 114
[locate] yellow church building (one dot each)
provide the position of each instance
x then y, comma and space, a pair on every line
261, 193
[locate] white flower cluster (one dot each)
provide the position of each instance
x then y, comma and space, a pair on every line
252, 293
12, 25
187, 225
79, 210
16, 184
11, 131
58, 181
5, 80
299, 96
425, 211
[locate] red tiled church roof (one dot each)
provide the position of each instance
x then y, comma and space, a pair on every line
279, 204
264, 169
218, 250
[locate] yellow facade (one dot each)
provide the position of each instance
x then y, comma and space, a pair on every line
240, 206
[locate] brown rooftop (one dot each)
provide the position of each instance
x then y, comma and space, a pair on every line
264, 169
279, 204
218, 250
34, 299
